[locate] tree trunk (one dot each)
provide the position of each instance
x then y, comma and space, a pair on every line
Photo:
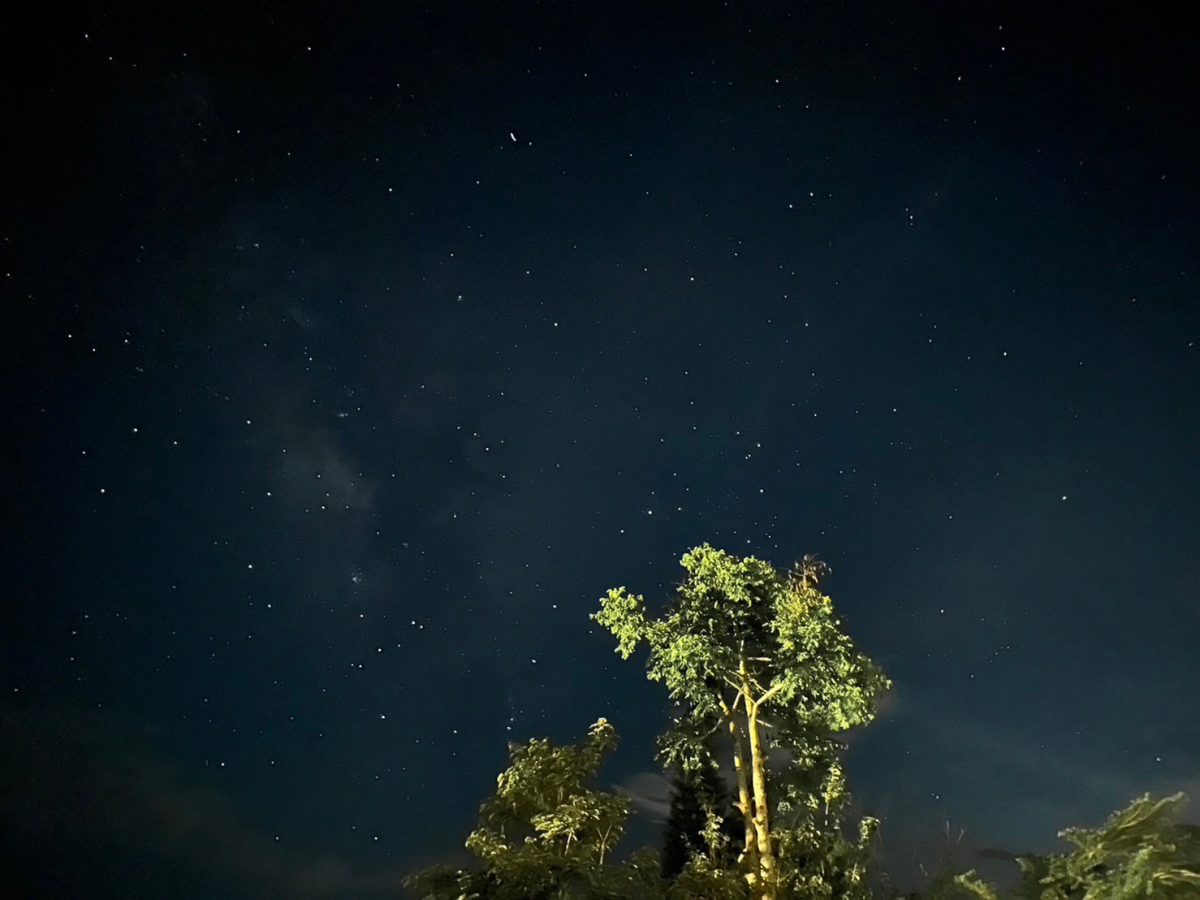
750, 851
762, 825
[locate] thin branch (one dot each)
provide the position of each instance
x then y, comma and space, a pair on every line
767, 696
728, 708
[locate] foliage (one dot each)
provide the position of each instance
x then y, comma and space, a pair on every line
820, 863
702, 879
760, 654
967, 886
545, 833
1141, 851
702, 822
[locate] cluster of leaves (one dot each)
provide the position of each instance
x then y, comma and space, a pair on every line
949, 886
729, 610
546, 833
1141, 851
821, 863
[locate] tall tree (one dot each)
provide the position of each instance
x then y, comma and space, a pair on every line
760, 654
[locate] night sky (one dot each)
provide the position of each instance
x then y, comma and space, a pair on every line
351, 355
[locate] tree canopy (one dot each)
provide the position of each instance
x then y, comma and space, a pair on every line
545, 833
761, 654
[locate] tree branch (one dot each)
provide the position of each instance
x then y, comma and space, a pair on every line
769, 694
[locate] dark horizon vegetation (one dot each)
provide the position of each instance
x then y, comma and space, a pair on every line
761, 678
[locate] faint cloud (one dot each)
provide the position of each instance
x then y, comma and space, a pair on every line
991, 747
318, 469
650, 793
301, 317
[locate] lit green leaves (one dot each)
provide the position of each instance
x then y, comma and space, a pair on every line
731, 610
948, 886
545, 832
1139, 852
543, 797
624, 614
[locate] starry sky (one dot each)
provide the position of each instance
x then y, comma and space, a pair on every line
352, 353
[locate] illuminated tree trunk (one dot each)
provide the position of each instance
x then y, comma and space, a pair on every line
750, 851
762, 827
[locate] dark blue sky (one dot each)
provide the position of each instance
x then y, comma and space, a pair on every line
353, 354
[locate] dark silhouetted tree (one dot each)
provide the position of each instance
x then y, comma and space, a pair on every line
702, 822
